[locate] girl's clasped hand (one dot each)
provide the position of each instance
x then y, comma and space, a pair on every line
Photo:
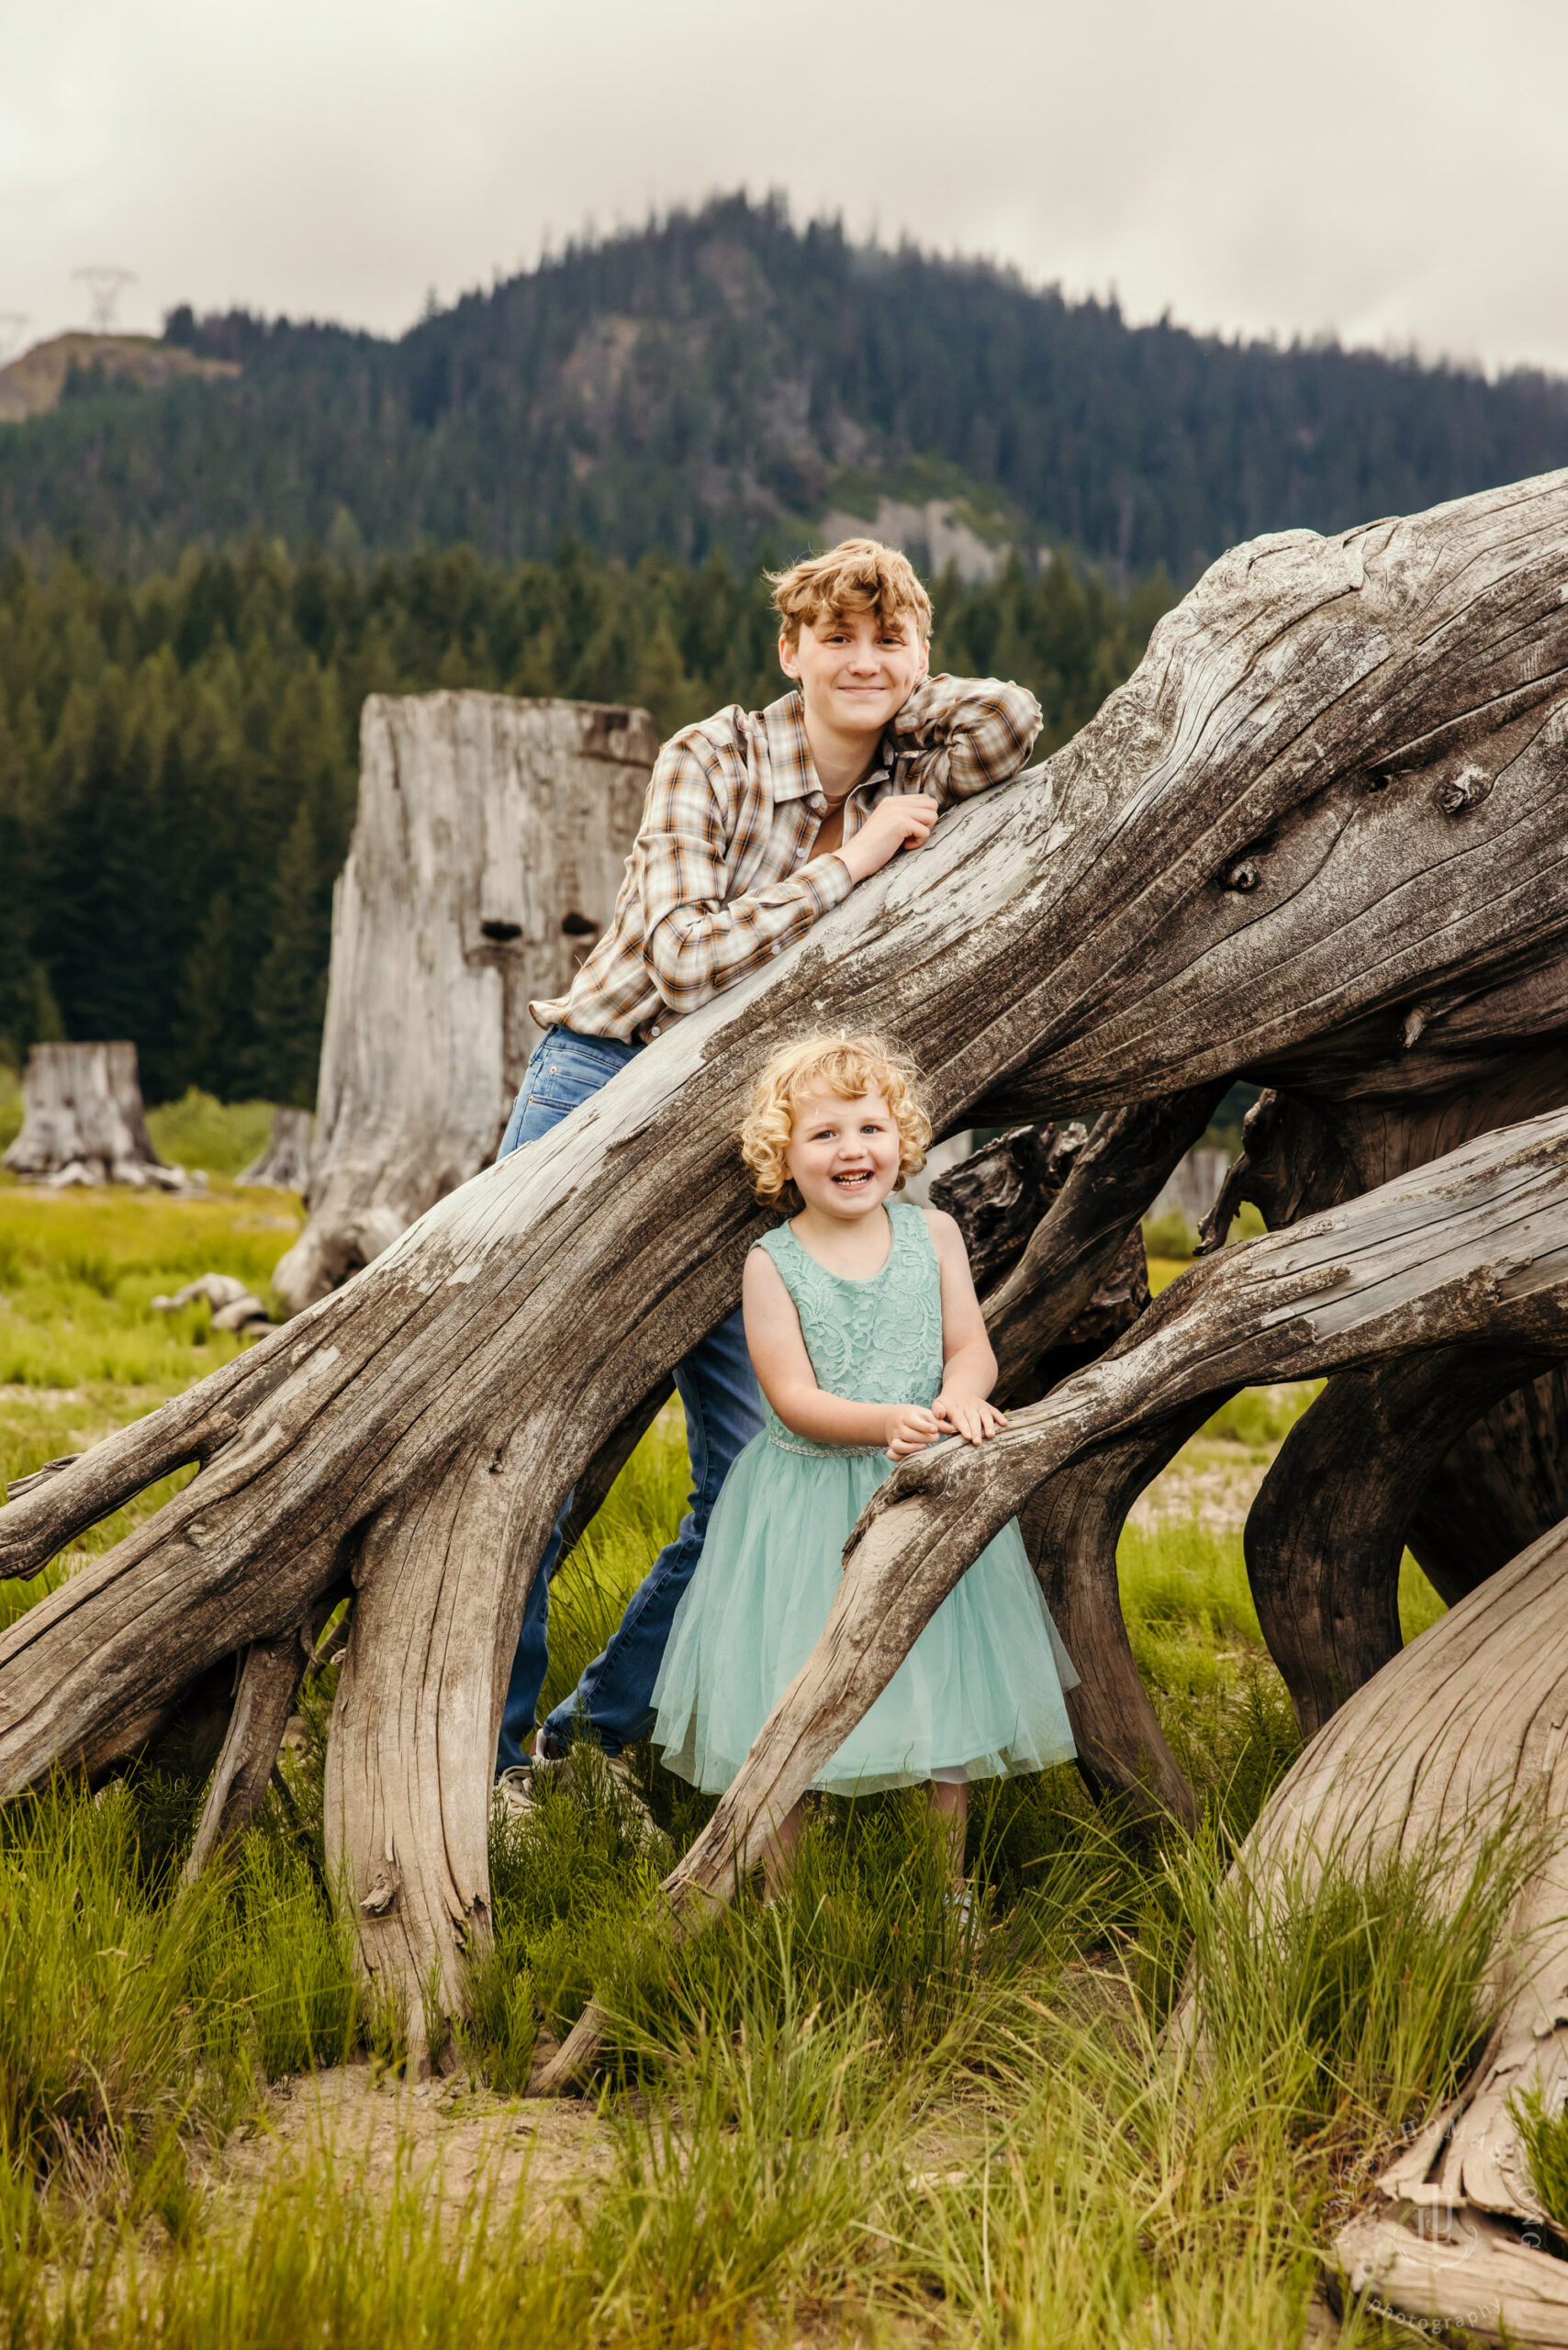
913, 1429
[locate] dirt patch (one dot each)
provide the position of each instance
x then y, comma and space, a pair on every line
466, 2143
1215, 1482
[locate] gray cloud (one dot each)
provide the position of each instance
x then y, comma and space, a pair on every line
1393, 170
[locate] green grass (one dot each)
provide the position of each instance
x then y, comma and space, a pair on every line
81, 1349
849, 2117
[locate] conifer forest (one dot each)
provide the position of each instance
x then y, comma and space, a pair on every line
179, 756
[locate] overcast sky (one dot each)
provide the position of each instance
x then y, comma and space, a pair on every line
1392, 171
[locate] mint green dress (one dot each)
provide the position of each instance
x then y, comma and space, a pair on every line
980, 1695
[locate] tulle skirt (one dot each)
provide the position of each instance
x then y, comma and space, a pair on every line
979, 1696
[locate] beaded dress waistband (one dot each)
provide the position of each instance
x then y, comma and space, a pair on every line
828, 1452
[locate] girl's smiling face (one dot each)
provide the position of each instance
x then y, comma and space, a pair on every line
843, 1155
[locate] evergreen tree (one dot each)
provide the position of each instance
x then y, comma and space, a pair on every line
206, 1007
291, 985
695, 386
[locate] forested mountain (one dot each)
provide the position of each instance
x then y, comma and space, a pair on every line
719, 380
178, 759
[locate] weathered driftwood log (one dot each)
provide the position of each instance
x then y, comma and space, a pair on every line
1474, 1246
268, 1682
1326, 1532
1464, 1472
83, 1116
285, 1161
1071, 1527
1056, 1296
1087, 1240
1497, 1490
488, 849
1458, 1732
1031, 1181
1318, 836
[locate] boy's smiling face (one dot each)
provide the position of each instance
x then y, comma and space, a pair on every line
857, 670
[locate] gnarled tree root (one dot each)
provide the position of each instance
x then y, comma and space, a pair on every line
1326, 1531
1399, 1270
1071, 1527
1497, 1490
270, 1675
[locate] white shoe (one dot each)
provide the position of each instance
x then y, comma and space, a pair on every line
516, 1790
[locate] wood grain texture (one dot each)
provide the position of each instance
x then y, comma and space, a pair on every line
487, 850
1497, 1490
1084, 1234
269, 1678
1462, 1729
1072, 1526
1296, 736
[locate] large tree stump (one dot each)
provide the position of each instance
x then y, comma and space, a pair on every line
487, 854
84, 1119
1315, 840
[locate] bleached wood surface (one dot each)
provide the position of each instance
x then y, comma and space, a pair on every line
486, 852
82, 1109
1463, 1726
285, 1161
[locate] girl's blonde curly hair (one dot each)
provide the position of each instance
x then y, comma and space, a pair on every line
847, 1066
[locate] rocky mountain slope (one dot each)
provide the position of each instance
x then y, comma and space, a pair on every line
723, 379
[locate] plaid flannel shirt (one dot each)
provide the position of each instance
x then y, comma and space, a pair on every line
720, 874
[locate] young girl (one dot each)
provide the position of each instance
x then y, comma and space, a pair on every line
868, 1344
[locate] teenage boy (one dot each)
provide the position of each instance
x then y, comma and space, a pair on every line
755, 825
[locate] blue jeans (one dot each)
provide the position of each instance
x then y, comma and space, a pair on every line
723, 1412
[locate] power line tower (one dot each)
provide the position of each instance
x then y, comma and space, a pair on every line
104, 284
11, 325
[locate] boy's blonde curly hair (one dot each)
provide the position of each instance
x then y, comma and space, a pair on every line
847, 1066
857, 575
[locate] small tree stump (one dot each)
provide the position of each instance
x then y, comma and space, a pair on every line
487, 854
84, 1119
285, 1161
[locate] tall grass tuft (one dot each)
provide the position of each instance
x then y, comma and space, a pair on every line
746, 2185
1367, 1983
138, 2012
1543, 2133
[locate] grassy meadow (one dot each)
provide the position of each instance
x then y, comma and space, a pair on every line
851, 2117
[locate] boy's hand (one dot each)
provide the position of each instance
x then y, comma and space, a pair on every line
905, 821
911, 1427
967, 1415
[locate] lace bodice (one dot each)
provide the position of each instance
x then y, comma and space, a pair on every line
877, 1341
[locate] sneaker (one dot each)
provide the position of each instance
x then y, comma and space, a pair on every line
516, 1790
